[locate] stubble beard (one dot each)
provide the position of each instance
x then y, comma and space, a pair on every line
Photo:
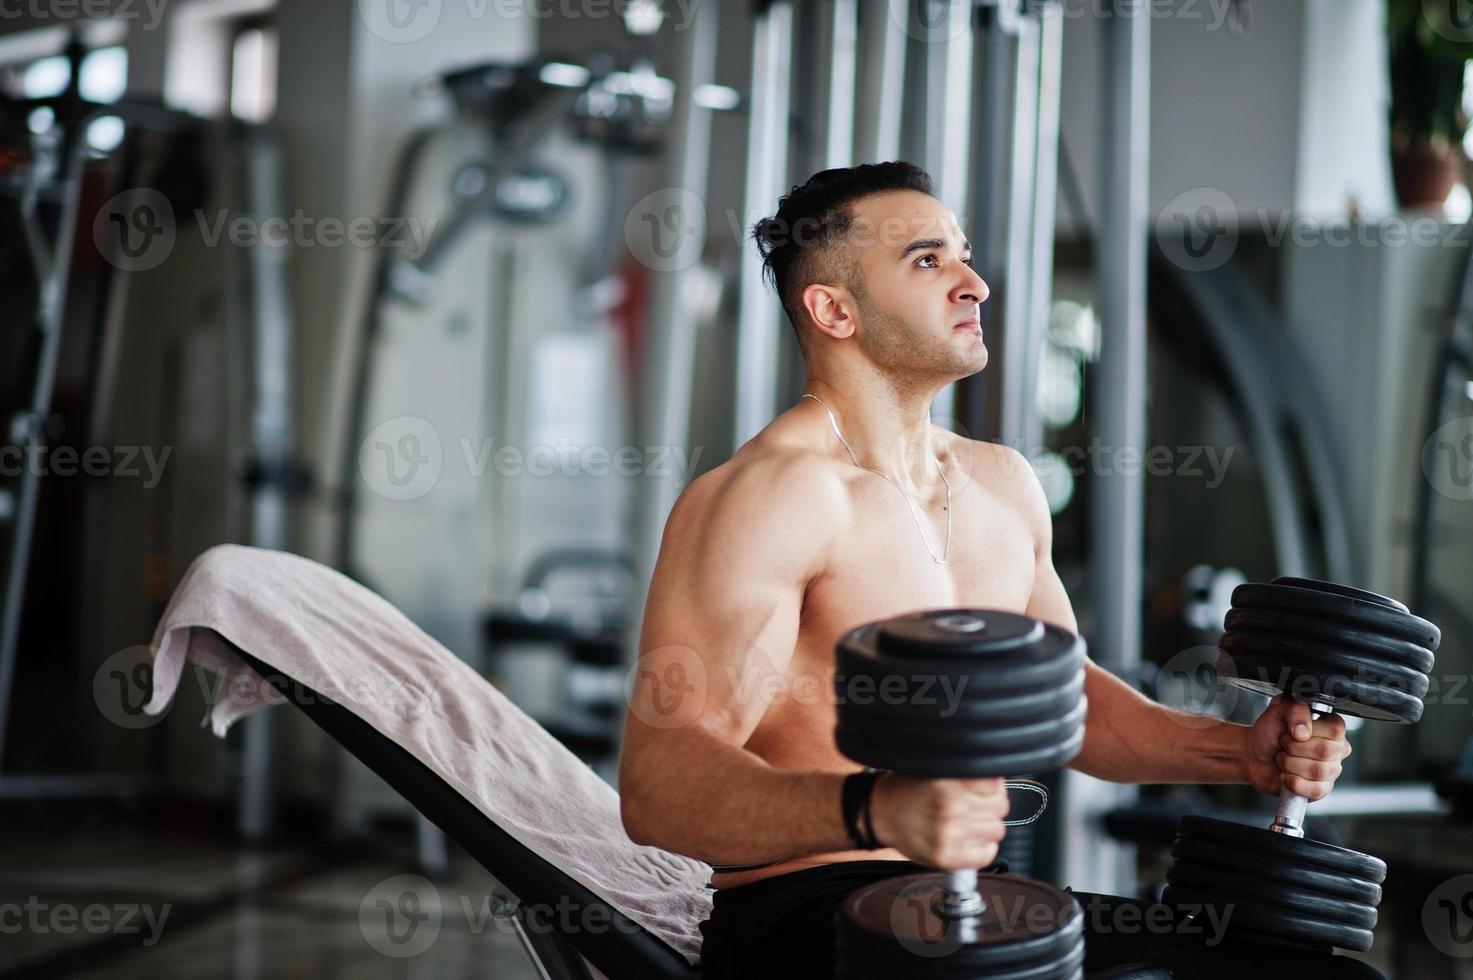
912, 355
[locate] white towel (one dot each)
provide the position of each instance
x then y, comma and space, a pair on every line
319, 627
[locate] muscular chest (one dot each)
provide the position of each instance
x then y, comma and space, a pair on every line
881, 568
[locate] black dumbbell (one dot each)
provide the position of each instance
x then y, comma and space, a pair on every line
1334, 648
960, 693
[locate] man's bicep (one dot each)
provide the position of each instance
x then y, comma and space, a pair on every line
722, 617
744, 647
1048, 601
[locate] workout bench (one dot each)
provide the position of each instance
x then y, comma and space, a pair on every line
520, 803
252, 614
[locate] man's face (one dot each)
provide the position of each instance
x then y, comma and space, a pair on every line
919, 298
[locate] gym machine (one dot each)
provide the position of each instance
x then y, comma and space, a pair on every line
1448, 390
43, 176
1222, 319
461, 175
589, 628
46, 173
627, 112
1446, 471
537, 153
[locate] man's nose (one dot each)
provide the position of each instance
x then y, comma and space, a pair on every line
974, 291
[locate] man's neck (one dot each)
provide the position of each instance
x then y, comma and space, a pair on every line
886, 429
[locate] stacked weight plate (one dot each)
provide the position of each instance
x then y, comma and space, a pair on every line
960, 694
1275, 889
1029, 931
1360, 652
1329, 646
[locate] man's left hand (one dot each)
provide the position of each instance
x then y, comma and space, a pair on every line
1289, 750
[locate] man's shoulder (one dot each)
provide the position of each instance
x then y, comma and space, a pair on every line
1003, 470
771, 476
992, 462
775, 465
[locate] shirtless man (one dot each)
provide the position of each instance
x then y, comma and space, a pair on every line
852, 506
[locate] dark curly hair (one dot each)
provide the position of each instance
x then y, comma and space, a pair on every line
803, 243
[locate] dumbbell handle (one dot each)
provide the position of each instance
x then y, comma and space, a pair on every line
962, 899
1290, 818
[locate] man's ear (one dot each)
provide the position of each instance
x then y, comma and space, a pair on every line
831, 310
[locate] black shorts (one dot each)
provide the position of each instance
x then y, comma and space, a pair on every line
783, 927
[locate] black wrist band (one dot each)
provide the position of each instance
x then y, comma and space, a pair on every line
855, 798
869, 824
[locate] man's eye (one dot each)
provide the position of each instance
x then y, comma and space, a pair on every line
967, 262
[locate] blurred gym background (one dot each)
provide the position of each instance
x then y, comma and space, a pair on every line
455, 297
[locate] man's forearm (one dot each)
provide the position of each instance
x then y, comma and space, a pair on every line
1131, 739
703, 797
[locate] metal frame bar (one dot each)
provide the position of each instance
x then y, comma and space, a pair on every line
758, 320
28, 426
948, 115
824, 95
1045, 204
992, 95
843, 30
1117, 519
551, 957
877, 126
670, 347
947, 105
271, 444
1017, 386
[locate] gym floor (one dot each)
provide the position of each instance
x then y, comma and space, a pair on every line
94, 885
93, 882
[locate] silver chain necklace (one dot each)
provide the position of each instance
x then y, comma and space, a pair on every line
913, 512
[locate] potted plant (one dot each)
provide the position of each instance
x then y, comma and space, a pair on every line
1429, 47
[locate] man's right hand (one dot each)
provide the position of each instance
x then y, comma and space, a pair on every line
948, 824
